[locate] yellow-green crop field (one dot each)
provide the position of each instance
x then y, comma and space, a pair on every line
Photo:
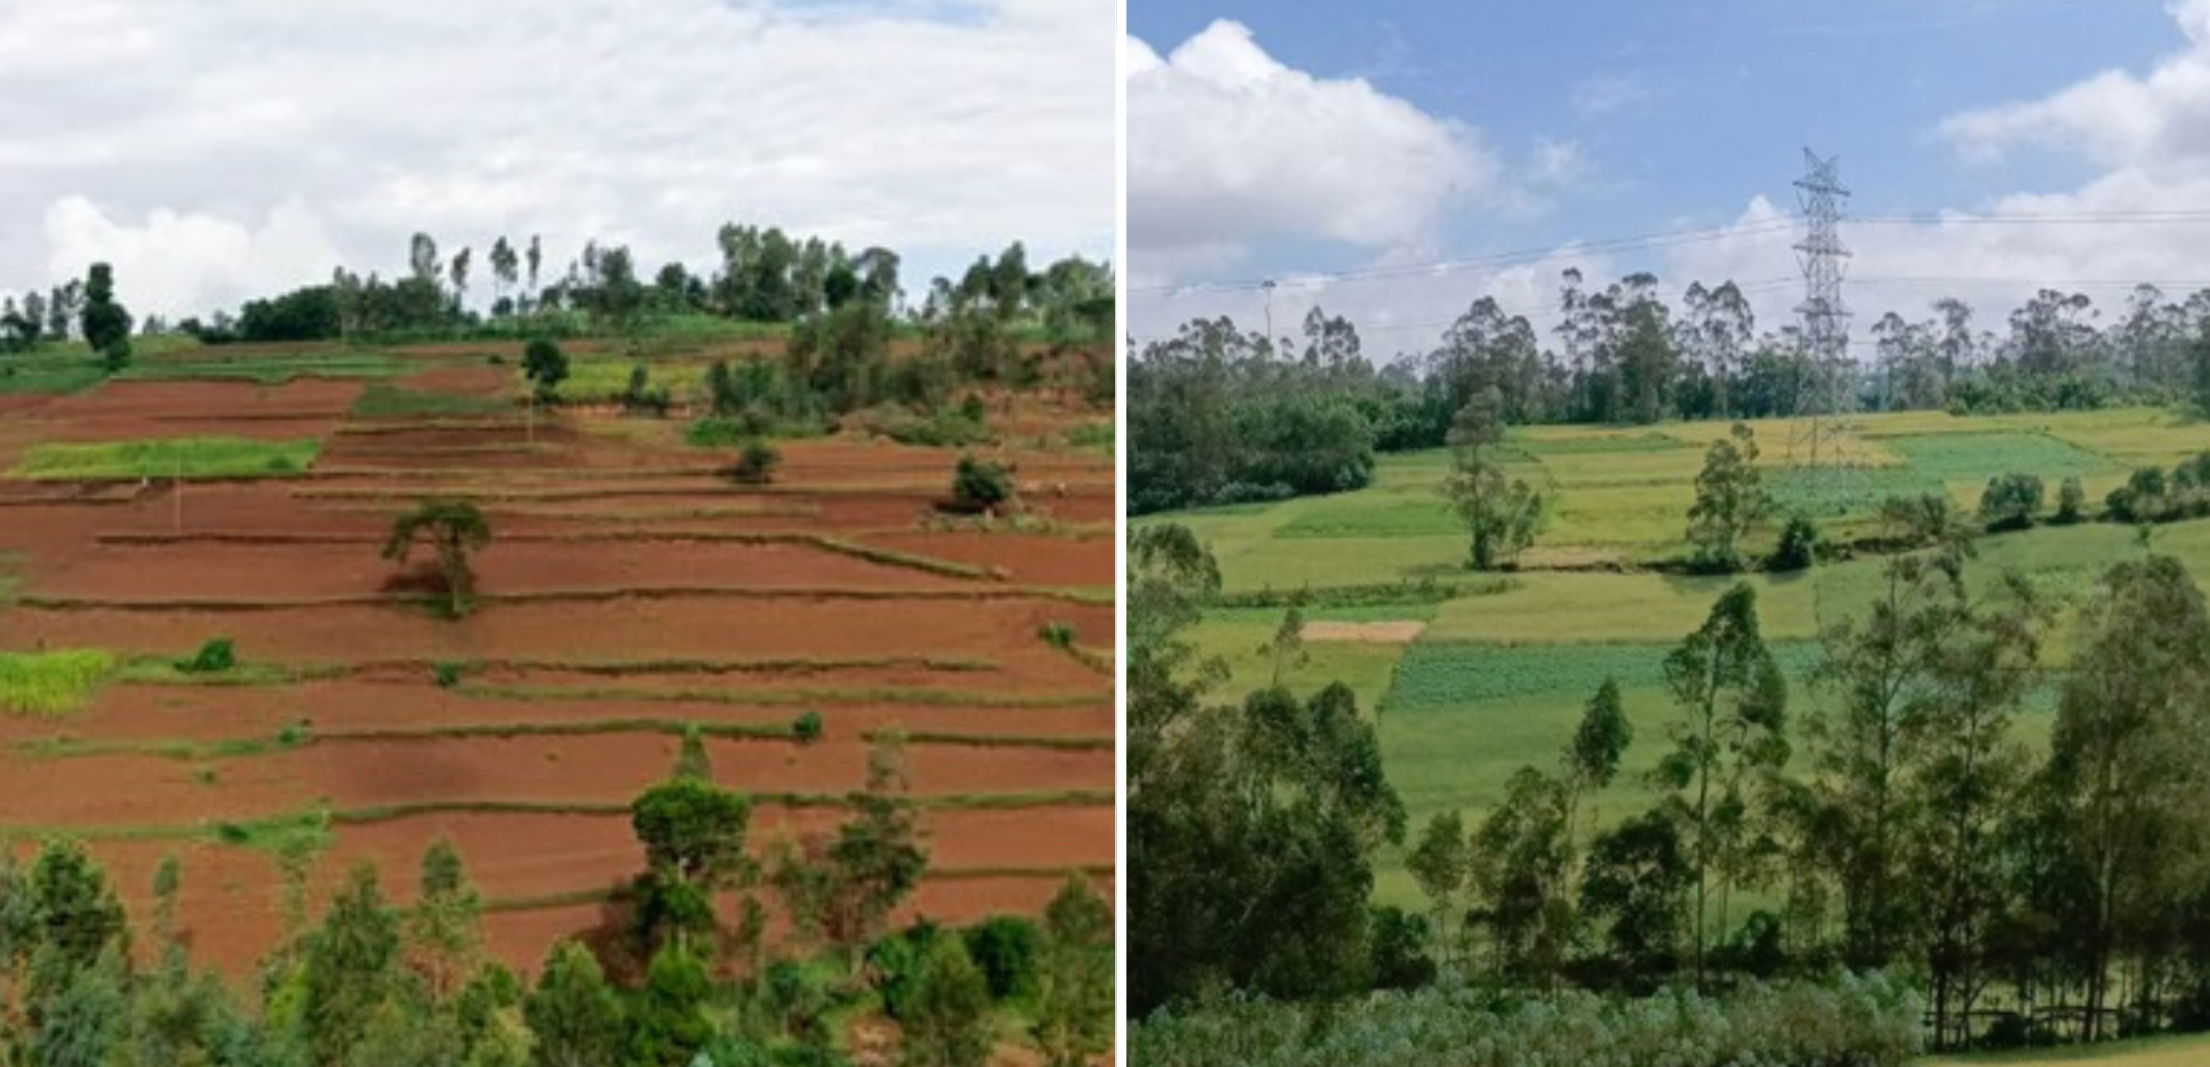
1495, 676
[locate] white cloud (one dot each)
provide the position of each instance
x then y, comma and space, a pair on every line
2148, 135
1228, 148
175, 262
942, 129
2115, 118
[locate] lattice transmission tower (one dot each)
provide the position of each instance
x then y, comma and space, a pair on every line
1823, 258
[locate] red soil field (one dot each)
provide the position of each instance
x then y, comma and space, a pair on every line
618, 604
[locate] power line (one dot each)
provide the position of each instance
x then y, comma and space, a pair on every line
1674, 238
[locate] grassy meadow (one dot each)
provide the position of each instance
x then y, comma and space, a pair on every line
1495, 676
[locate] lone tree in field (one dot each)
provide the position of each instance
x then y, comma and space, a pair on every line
546, 366
1730, 499
453, 528
106, 323
1502, 516
981, 484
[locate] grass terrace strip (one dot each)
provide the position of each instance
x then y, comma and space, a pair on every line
51, 684
626, 515
868, 553
569, 596
775, 698
967, 740
383, 400
246, 831
266, 369
188, 457
54, 748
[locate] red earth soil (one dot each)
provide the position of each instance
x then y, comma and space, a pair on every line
289, 569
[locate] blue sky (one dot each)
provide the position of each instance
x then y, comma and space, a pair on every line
1593, 120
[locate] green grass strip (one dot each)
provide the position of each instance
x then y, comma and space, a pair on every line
967, 740
52, 684
789, 697
187, 457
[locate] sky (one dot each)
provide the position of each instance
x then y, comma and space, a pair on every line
215, 150
1294, 141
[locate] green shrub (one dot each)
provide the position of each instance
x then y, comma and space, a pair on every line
1847, 1022
1058, 635
980, 484
2010, 502
896, 961
1799, 545
1006, 948
214, 656
806, 727
447, 673
2071, 502
756, 464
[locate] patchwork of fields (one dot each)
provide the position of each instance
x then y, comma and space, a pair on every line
629, 592
1488, 674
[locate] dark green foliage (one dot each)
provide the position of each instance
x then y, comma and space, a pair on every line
1400, 959
572, 1013
75, 910
214, 656
1840, 1022
546, 366
1006, 948
1058, 635
2010, 502
1216, 416
307, 314
2152, 496
1074, 1010
447, 673
1798, 547
756, 463
1730, 501
806, 727
1502, 518
351, 965
454, 528
1251, 830
895, 963
667, 1019
1635, 885
692, 830
946, 1022
105, 322
980, 484
2071, 503
640, 397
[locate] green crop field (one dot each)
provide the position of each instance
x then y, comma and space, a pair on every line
2144, 1052
1495, 675
270, 369
188, 457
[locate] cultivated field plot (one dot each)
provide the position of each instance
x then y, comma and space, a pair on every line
1490, 673
630, 591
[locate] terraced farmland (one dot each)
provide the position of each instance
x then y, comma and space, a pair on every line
1473, 676
630, 592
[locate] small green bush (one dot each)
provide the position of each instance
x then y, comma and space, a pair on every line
1799, 545
2011, 502
979, 484
1059, 635
806, 727
447, 673
2071, 502
1006, 948
756, 464
214, 656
